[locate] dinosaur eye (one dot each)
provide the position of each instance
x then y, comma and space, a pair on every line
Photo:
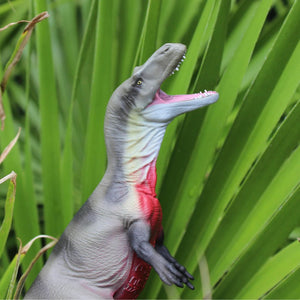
139, 82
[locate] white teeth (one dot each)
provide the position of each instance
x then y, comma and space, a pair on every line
206, 93
179, 64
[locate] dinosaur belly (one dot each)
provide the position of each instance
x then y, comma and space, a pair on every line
140, 270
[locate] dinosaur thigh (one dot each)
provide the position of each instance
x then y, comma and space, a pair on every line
47, 286
104, 261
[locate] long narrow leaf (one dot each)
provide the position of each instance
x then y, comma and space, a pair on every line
207, 77
288, 288
7, 276
150, 30
129, 38
67, 176
181, 83
9, 209
95, 160
279, 266
50, 142
210, 67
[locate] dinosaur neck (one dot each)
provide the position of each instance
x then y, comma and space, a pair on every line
132, 148
141, 148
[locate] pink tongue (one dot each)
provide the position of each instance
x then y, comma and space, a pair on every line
161, 97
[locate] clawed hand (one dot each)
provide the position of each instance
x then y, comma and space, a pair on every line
170, 271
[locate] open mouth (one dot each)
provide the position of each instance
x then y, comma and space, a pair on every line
161, 97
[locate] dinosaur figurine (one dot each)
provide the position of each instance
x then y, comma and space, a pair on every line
109, 247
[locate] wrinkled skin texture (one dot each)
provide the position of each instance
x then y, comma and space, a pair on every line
110, 246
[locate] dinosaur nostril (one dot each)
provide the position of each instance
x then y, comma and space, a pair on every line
165, 48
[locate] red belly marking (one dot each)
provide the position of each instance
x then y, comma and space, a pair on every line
136, 280
150, 206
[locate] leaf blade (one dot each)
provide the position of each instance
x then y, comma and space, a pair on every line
9, 208
50, 139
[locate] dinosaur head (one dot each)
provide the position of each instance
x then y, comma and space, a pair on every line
138, 112
142, 93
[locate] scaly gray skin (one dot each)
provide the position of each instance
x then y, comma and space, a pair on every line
102, 252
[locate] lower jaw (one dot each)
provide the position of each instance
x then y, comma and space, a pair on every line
161, 97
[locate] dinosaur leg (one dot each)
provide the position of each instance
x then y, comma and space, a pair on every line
60, 288
139, 236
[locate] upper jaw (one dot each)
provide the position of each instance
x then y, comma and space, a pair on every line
177, 57
163, 62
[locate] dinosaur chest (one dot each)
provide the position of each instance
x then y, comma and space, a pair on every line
148, 204
152, 213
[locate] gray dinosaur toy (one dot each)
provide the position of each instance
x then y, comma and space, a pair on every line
109, 247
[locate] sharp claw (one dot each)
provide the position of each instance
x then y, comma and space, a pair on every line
187, 274
189, 285
179, 284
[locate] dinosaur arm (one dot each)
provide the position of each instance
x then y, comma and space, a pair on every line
139, 235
